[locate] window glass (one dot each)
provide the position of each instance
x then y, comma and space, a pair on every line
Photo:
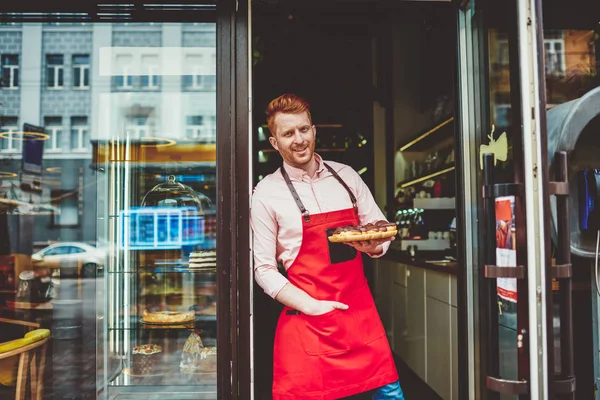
10, 71
102, 143
10, 138
55, 71
57, 251
81, 71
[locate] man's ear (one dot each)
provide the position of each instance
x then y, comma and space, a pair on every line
273, 142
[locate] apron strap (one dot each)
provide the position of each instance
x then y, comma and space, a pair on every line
299, 203
341, 181
303, 209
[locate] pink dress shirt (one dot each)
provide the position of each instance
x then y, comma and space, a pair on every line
277, 223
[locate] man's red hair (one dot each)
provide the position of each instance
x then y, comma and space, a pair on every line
287, 104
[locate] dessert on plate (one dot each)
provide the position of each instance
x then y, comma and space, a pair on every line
167, 317
355, 233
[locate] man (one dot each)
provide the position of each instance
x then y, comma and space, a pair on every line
329, 341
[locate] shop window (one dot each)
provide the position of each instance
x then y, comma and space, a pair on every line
125, 79
81, 71
10, 71
65, 209
54, 130
201, 128
55, 71
80, 137
9, 141
150, 68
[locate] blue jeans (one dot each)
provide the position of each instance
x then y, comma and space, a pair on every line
389, 391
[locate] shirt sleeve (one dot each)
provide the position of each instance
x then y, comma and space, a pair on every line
264, 237
368, 210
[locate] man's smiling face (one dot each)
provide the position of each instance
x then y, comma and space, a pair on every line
294, 138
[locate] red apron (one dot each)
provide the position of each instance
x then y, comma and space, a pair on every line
342, 352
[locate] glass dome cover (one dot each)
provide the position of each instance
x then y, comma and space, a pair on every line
175, 194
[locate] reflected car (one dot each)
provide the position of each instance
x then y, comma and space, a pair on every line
88, 258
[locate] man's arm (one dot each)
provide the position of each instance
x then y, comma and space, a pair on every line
368, 212
264, 233
298, 299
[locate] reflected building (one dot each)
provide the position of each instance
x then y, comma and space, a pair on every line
103, 93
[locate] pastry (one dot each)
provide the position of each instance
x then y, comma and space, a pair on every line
203, 260
144, 358
167, 317
351, 233
197, 358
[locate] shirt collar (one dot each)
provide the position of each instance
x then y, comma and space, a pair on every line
298, 173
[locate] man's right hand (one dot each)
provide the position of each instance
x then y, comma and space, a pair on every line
320, 307
298, 299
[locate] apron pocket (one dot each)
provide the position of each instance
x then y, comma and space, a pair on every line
340, 252
328, 333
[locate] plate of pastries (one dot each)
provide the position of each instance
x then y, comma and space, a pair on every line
355, 233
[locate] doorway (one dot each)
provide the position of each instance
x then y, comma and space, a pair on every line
381, 84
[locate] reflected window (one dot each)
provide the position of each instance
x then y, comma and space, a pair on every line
125, 78
199, 75
150, 68
10, 71
55, 71
56, 251
554, 46
201, 128
74, 250
80, 137
54, 129
81, 71
502, 115
138, 127
9, 143
503, 50
66, 209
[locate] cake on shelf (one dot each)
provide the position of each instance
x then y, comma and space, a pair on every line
167, 317
144, 357
200, 260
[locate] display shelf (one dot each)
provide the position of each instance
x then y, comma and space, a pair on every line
136, 324
429, 137
167, 270
439, 203
441, 171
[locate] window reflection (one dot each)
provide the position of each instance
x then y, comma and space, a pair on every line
93, 118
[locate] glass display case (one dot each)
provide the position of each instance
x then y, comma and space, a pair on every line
161, 291
155, 158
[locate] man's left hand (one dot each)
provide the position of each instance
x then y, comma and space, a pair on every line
370, 246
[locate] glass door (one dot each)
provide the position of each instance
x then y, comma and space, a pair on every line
515, 268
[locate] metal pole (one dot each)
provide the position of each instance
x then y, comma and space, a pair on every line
564, 257
490, 296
